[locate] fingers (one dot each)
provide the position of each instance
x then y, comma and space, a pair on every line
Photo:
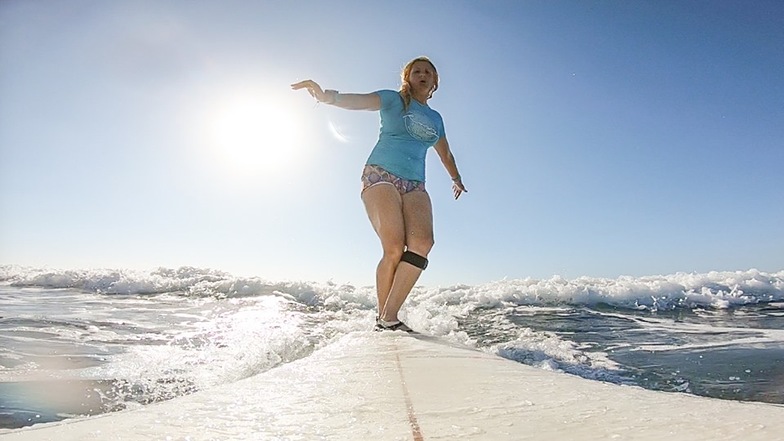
312, 87
458, 189
301, 84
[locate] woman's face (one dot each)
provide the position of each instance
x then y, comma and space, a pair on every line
422, 76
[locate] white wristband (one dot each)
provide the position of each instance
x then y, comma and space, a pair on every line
334, 96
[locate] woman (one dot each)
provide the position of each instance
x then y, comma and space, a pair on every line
393, 180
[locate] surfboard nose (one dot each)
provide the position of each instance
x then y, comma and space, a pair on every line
397, 386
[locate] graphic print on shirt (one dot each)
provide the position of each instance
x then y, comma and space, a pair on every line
420, 127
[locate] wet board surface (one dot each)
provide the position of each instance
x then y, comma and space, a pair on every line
394, 386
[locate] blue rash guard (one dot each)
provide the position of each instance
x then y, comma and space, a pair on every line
405, 136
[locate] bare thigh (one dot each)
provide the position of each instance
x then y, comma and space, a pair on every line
384, 207
418, 221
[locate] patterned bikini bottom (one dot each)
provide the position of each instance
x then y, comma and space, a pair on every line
373, 174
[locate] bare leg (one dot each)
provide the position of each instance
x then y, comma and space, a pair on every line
418, 221
384, 207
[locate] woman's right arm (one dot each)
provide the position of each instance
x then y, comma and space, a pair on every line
350, 101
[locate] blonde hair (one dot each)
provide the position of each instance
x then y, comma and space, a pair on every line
405, 87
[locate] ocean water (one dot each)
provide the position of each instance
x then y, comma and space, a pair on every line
86, 342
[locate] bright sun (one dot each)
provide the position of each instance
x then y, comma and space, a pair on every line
253, 134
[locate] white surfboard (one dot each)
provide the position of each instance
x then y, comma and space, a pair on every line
393, 386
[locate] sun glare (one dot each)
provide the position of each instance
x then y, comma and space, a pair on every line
254, 135
337, 133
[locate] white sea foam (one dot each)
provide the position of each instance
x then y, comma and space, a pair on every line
434, 310
682, 290
712, 290
162, 333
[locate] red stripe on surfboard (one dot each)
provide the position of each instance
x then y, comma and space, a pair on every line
412, 418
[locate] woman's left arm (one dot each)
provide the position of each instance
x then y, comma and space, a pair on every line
448, 159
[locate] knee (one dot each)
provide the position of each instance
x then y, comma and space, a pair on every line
421, 245
392, 254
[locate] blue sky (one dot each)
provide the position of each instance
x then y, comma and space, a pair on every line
596, 138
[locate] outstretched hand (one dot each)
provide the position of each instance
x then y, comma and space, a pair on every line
312, 87
458, 188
